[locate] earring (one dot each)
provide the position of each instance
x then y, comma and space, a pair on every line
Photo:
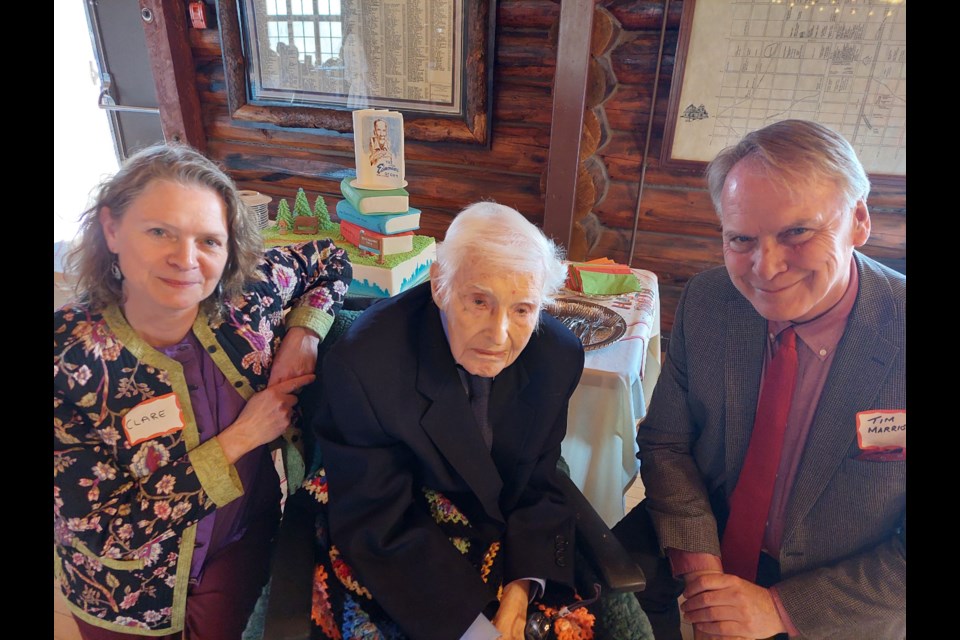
115, 270
218, 292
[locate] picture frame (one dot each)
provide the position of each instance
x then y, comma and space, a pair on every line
273, 82
743, 64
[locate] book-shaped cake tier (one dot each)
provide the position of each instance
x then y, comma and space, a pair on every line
375, 201
376, 225
373, 277
384, 264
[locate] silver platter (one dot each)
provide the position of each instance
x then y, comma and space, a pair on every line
595, 325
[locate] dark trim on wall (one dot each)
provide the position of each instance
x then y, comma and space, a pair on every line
168, 44
566, 128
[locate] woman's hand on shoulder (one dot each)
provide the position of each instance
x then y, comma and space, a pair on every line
264, 418
296, 356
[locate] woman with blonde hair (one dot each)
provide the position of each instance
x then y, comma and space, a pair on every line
175, 370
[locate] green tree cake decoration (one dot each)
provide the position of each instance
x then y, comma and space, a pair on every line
284, 215
323, 215
301, 207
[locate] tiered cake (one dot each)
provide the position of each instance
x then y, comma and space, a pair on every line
377, 223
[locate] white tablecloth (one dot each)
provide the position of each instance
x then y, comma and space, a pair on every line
600, 447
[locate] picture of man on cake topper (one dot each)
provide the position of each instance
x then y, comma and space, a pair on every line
378, 146
381, 155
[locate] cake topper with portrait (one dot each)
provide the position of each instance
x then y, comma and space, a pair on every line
378, 144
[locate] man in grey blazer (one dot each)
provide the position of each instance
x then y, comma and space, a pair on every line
832, 563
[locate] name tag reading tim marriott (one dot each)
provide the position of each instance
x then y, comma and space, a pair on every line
882, 430
156, 417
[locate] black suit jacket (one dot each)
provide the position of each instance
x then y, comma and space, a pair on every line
395, 418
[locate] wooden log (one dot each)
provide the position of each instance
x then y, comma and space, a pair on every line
590, 141
533, 76
674, 258
588, 144
591, 229
634, 60
585, 194
669, 211
523, 104
210, 80
601, 82
897, 263
205, 43
622, 157
528, 14
644, 14
632, 99
606, 31
532, 52
536, 42
888, 235
514, 149
605, 129
601, 181
622, 118
287, 164
511, 155
171, 62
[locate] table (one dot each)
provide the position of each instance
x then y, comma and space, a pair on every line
600, 446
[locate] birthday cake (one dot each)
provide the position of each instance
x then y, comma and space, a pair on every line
377, 226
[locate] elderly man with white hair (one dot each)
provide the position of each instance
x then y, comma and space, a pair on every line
443, 412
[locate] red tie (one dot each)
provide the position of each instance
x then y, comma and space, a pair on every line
750, 501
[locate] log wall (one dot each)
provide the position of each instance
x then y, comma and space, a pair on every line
677, 230
443, 178
678, 233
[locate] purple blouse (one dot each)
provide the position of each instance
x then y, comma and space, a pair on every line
216, 404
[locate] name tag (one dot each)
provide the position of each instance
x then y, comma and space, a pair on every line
882, 430
154, 418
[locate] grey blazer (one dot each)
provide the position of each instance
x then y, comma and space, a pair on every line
844, 555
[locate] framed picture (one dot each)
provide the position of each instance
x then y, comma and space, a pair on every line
310, 63
743, 64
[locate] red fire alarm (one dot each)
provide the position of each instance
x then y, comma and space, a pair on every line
198, 14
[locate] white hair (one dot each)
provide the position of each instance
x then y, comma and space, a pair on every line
499, 239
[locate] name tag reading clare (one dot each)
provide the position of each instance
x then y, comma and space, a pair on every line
153, 418
882, 430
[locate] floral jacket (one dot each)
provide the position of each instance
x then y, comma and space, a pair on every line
125, 507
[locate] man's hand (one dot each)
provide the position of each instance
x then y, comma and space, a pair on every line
723, 605
296, 356
511, 617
